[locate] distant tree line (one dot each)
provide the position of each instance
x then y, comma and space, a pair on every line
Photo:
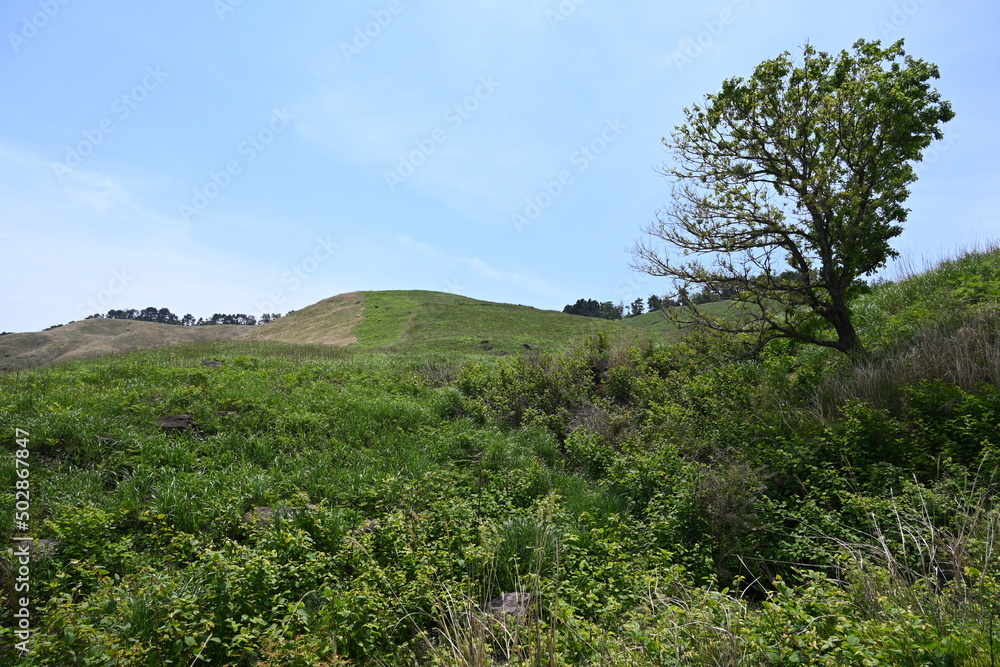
164, 316
712, 292
609, 311
708, 294
591, 308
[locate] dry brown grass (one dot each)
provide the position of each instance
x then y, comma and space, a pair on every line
99, 337
966, 353
329, 322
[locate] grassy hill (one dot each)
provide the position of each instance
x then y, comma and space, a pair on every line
314, 506
450, 323
99, 337
390, 320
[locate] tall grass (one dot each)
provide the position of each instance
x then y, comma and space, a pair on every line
524, 563
940, 324
965, 352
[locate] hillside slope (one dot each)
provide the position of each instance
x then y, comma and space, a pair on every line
657, 320
391, 320
99, 337
330, 322
399, 319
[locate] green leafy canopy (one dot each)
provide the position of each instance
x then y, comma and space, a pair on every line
794, 182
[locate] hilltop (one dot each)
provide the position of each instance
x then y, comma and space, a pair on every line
447, 322
392, 320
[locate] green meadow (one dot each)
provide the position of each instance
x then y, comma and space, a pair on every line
435, 321
654, 498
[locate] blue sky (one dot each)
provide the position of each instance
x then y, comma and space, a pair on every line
248, 156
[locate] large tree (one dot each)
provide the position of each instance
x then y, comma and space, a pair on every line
790, 184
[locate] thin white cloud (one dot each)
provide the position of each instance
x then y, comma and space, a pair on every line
377, 117
92, 243
83, 200
359, 124
423, 144
99, 193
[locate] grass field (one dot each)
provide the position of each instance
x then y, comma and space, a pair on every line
658, 321
452, 323
315, 505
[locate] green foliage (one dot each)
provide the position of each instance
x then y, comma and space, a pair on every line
941, 424
779, 180
963, 284
661, 505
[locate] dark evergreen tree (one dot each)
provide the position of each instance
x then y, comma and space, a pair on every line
610, 311
584, 307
